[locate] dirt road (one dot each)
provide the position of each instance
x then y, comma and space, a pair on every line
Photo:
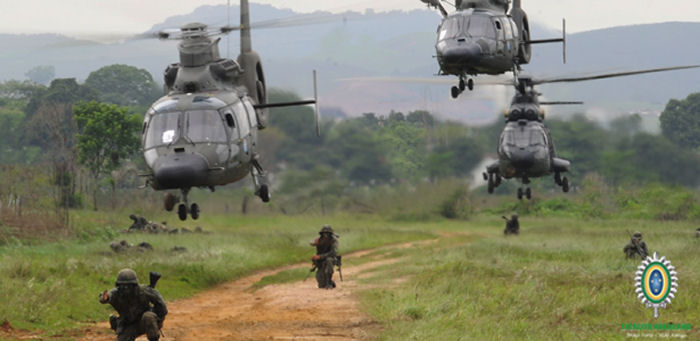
292, 311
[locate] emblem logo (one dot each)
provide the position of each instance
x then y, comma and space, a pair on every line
656, 283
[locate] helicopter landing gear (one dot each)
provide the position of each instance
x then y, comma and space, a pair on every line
526, 192
262, 186
563, 182
183, 210
494, 180
463, 84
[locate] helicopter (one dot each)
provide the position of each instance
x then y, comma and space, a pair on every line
483, 37
526, 149
204, 131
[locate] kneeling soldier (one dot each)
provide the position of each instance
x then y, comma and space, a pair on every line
325, 257
141, 308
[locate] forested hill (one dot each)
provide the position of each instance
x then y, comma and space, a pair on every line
393, 44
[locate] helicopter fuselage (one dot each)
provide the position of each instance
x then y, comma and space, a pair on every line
523, 150
477, 41
199, 139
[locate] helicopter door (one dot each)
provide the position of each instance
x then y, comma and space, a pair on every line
243, 130
253, 119
508, 33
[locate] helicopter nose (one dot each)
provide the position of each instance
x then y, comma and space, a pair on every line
180, 171
522, 158
461, 53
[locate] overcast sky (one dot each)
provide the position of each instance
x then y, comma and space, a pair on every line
126, 16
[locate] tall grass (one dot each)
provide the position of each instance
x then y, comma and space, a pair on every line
560, 279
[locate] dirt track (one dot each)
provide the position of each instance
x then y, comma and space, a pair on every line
292, 311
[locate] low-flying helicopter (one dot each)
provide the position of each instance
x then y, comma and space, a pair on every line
525, 148
483, 37
204, 131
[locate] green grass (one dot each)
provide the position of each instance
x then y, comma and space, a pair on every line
560, 279
53, 286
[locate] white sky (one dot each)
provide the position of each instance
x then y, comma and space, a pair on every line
135, 16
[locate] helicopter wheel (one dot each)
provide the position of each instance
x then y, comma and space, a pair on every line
455, 92
528, 193
462, 85
490, 186
194, 211
520, 194
264, 193
169, 202
470, 84
182, 212
565, 185
557, 179
486, 177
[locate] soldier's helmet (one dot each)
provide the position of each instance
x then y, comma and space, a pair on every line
637, 235
326, 229
514, 216
127, 276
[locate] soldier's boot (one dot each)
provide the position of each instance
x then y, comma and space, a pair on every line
149, 322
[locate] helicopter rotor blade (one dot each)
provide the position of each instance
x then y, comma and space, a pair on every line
608, 75
426, 80
301, 20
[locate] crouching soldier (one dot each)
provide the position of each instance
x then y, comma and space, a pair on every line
512, 225
636, 247
141, 308
326, 257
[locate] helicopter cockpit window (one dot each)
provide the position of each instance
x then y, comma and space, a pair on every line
537, 138
167, 105
205, 126
451, 27
481, 26
162, 129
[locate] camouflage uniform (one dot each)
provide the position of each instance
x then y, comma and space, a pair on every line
697, 233
512, 225
325, 258
636, 247
141, 308
139, 222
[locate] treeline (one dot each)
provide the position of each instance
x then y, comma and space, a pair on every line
400, 147
58, 127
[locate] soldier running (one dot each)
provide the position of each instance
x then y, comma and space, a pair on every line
326, 257
141, 308
512, 225
636, 247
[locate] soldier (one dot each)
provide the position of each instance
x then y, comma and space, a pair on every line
139, 223
636, 247
141, 308
325, 258
697, 233
512, 225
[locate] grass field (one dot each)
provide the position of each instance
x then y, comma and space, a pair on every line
562, 278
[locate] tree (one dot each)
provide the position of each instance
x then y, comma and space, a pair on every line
107, 134
124, 85
680, 121
42, 74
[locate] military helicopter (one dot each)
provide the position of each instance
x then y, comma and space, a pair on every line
526, 149
204, 131
482, 37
